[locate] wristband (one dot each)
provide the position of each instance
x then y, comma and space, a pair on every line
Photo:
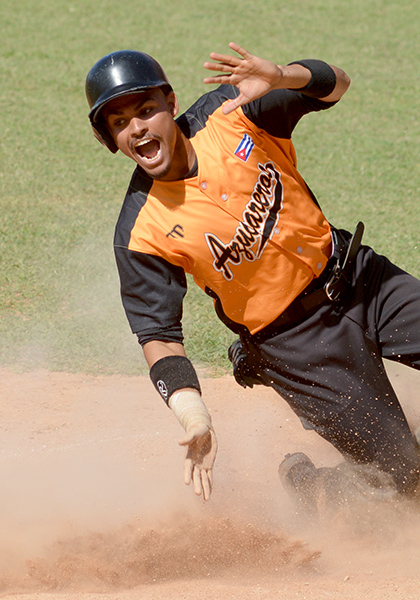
173, 373
322, 81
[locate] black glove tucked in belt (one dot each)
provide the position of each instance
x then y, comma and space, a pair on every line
244, 373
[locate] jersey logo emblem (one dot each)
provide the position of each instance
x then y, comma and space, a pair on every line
245, 148
178, 230
259, 220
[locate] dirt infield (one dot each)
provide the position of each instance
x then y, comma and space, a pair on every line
93, 503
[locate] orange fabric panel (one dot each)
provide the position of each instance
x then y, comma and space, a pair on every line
245, 226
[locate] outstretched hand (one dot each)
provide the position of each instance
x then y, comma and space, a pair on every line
253, 76
200, 455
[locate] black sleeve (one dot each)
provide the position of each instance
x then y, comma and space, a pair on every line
279, 111
152, 292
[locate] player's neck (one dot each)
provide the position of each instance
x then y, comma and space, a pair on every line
185, 159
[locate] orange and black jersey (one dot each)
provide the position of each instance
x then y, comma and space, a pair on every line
243, 224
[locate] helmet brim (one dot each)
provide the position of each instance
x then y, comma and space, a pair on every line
123, 90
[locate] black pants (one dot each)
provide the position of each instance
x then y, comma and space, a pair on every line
330, 370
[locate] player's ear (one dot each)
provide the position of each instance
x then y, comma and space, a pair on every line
172, 101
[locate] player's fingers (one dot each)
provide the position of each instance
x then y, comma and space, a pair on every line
232, 105
240, 50
228, 107
226, 59
225, 68
206, 484
218, 79
187, 439
188, 467
197, 480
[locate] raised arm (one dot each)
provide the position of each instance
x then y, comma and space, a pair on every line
255, 76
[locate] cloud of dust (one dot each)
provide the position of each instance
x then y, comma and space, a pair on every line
369, 538
81, 325
101, 510
90, 521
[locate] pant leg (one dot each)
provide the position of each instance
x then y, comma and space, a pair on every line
397, 314
330, 369
377, 434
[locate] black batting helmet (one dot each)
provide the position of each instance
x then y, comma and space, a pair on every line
117, 74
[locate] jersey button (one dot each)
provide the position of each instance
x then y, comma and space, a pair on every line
224, 197
299, 249
203, 185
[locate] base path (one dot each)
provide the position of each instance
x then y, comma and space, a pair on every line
93, 503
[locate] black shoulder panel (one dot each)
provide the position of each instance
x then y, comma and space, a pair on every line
279, 111
134, 201
195, 118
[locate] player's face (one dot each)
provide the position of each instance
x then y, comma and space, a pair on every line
143, 127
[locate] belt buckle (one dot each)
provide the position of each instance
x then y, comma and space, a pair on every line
333, 294
340, 271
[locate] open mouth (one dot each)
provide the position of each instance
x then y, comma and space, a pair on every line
148, 149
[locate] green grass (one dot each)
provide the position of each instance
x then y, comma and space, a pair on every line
61, 191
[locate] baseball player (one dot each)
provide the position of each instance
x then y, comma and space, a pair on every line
216, 193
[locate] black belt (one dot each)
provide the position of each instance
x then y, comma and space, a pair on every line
326, 288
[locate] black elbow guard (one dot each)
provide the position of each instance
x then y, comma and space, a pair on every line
322, 81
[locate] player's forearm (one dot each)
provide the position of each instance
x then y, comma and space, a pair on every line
190, 410
157, 349
176, 381
292, 77
170, 369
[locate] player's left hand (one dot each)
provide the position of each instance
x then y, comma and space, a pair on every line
253, 76
200, 455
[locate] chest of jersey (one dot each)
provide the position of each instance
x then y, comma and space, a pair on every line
246, 226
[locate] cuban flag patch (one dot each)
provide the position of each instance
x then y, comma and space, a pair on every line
245, 148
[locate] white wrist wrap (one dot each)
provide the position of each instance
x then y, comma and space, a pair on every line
189, 409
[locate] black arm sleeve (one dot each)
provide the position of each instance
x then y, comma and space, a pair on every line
152, 292
279, 111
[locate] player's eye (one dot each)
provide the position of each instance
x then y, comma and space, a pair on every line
119, 122
145, 111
